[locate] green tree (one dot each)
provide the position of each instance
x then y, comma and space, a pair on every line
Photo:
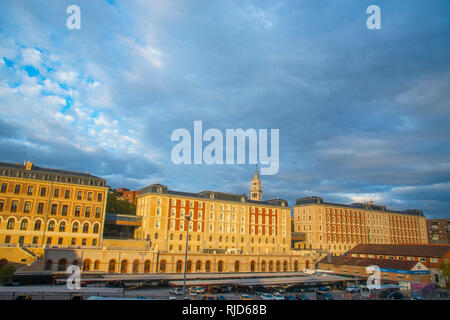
115, 205
6, 272
446, 268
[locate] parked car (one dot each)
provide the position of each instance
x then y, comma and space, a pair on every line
172, 298
221, 298
278, 296
290, 297
320, 295
394, 295
197, 290
267, 296
245, 297
352, 289
415, 296
23, 297
176, 291
301, 297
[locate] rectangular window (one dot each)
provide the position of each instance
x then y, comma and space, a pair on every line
7, 239
77, 211
43, 191
14, 205
54, 209
56, 193
4, 187
89, 197
2, 204
65, 208
40, 208
94, 242
98, 212
30, 190
87, 213
79, 195
27, 207
35, 240
49, 240
99, 197
83, 242
17, 189
74, 241
60, 240
67, 194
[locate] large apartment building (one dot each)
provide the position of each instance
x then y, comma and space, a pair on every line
42, 206
339, 227
438, 231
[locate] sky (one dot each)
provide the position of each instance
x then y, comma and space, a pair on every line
362, 114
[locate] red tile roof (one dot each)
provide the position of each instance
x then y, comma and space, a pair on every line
365, 262
412, 250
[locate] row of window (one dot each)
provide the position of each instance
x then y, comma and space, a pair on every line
53, 209
56, 192
51, 226
49, 241
49, 177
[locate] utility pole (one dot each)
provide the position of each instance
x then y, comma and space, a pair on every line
188, 217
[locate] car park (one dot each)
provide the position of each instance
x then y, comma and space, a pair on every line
320, 295
301, 297
176, 291
267, 296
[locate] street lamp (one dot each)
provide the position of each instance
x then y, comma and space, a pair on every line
188, 217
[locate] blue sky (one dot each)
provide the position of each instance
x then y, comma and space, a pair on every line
363, 114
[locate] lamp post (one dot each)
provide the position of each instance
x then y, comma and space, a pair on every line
188, 217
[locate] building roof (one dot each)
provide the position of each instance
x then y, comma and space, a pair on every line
363, 206
212, 195
413, 250
365, 262
41, 173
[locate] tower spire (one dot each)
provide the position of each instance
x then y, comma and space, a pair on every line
255, 189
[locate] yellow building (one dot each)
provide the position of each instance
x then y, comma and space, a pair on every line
339, 227
41, 206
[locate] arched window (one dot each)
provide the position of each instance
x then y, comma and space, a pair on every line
307, 264
252, 266
10, 224
51, 226
124, 266
236, 266
136, 266
62, 265
96, 226
189, 266
75, 227
112, 266
23, 224
147, 266
62, 226
96, 265
85, 227
76, 262
198, 266
48, 265
296, 266
37, 225
263, 266
270, 266
179, 265
162, 266
285, 266
220, 266
208, 266
86, 265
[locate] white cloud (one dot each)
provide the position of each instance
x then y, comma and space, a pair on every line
31, 56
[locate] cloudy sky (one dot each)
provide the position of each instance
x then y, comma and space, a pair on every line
363, 114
